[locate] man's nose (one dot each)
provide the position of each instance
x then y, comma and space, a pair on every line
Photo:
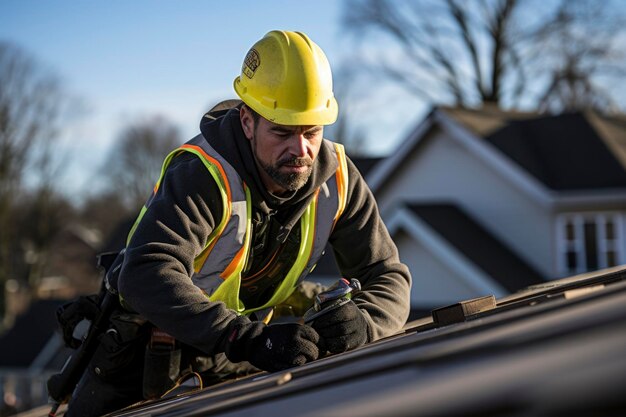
298, 146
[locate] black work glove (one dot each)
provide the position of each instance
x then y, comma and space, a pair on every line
342, 329
271, 347
72, 313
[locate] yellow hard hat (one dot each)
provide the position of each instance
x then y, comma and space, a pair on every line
286, 78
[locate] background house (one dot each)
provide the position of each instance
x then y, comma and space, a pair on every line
31, 347
30, 351
486, 201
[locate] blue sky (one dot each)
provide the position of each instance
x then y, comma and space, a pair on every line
131, 59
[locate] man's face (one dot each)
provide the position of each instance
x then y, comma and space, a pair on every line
284, 154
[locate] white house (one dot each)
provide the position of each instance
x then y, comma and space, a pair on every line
488, 202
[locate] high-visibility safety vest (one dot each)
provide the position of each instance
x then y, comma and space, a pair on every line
217, 269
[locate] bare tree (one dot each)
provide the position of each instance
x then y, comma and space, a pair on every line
584, 40
506, 52
343, 131
104, 211
42, 215
134, 164
32, 108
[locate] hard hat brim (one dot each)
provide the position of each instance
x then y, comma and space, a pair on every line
325, 115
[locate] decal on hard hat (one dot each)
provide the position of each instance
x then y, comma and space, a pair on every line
251, 63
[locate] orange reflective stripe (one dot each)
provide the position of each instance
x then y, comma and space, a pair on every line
238, 261
217, 233
341, 176
234, 263
217, 164
314, 220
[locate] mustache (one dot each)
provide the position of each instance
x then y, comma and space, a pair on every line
299, 162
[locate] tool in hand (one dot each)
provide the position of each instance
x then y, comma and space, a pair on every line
334, 297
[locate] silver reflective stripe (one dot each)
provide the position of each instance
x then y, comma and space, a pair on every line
208, 284
227, 245
239, 210
232, 237
326, 209
327, 203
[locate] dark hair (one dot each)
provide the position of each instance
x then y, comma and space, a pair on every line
255, 115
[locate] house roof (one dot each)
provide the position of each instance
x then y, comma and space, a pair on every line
30, 332
506, 360
478, 245
575, 151
558, 159
365, 164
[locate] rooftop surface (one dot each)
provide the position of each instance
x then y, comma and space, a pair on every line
552, 349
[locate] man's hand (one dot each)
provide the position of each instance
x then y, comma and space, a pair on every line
72, 313
271, 347
342, 329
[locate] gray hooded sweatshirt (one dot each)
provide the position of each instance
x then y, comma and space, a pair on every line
155, 279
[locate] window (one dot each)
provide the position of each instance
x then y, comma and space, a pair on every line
589, 241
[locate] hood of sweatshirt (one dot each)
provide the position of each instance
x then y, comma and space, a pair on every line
221, 127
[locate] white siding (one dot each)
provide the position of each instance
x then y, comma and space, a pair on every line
434, 283
443, 170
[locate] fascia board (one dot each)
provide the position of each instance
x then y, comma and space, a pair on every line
591, 199
516, 175
402, 218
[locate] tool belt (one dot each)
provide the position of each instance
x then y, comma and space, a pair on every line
161, 364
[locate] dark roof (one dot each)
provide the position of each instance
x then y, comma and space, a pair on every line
564, 152
20, 345
574, 151
477, 244
542, 352
365, 164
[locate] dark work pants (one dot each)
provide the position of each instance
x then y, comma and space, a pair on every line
95, 397
114, 377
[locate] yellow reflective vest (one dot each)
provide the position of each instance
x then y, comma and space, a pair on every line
217, 269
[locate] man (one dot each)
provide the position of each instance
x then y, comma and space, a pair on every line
238, 218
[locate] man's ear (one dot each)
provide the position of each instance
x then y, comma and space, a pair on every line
247, 122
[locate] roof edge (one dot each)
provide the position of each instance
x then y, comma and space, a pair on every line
402, 217
381, 172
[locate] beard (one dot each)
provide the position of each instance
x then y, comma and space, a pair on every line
290, 181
